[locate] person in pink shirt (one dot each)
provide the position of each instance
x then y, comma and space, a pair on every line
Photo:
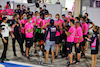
70, 39
78, 39
29, 35
23, 22
7, 6
38, 30
1, 13
9, 15
58, 24
85, 30
70, 16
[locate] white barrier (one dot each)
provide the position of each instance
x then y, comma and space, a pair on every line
94, 15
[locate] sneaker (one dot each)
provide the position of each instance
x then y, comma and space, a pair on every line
35, 52
6, 59
23, 54
52, 62
15, 55
45, 64
78, 62
56, 57
2, 61
70, 65
28, 57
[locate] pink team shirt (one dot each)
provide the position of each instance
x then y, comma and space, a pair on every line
28, 26
38, 23
84, 27
78, 34
34, 19
70, 38
4, 12
9, 11
44, 22
56, 23
23, 28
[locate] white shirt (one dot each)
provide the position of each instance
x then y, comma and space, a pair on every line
7, 29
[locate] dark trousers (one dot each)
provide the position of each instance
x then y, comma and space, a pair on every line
19, 40
5, 48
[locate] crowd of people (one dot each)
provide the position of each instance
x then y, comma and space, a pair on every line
56, 36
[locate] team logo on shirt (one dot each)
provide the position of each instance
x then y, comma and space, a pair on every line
53, 29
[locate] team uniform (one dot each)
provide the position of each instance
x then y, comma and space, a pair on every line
84, 27
58, 33
38, 29
78, 34
70, 39
29, 36
43, 31
94, 43
23, 22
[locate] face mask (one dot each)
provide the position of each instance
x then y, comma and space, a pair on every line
46, 18
49, 17
38, 17
56, 19
69, 16
5, 9
81, 21
69, 24
0, 8
44, 7
30, 21
9, 8
25, 18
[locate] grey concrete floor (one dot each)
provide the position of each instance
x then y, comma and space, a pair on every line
34, 58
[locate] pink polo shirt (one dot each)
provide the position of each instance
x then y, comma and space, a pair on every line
34, 19
28, 26
9, 11
84, 27
56, 23
38, 23
4, 12
78, 34
70, 38
44, 22
23, 28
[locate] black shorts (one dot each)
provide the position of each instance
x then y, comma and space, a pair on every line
38, 36
57, 40
29, 42
42, 36
83, 43
94, 51
69, 46
77, 50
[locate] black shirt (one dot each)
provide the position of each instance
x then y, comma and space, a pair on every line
16, 28
44, 12
29, 13
18, 11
